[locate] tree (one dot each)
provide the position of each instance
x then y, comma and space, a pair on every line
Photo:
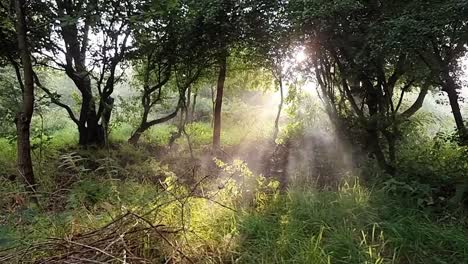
10, 60
89, 34
23, 30
361, 66
438, 33
219, 101
223, 23
156, 40
172, 52
269, 38
24, 116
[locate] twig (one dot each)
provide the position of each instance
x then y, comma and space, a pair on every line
163, 237
94, 248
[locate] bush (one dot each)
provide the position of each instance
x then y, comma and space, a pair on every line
200, 133
430, 172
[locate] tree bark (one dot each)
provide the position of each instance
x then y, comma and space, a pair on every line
391, 140
373, 134
24, 116
373, 142
450, 87
192, 113
213, 103
187, 105
90, 132
280, 108
219, 102
106, 116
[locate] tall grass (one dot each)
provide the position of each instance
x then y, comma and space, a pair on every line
352, 225
302, 225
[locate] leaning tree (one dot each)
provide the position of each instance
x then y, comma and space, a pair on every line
363, 69
172, 53
438, 32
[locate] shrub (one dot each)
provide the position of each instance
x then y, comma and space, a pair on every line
430, 171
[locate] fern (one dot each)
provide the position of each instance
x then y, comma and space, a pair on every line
72, 162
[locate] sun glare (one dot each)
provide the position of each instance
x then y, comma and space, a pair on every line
300, 56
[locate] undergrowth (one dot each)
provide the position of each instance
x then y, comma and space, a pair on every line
175, 209
240, 217
352, 225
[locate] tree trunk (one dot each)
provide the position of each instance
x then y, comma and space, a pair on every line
213, 102
90, 132
450, 87
192, 113
373, 142
219, 103
136, 135
180, 127
280, 108
391, 140
373, 135
23, 118
187, 105
108, 105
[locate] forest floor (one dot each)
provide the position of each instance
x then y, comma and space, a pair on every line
256, 202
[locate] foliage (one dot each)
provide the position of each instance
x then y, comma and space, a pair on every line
9, 104
431, 173
243, 186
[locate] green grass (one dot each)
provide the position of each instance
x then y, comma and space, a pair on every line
7, 157
121, 133
159, 135
302, 225
351, 225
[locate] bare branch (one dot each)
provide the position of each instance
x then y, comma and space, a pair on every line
54, 100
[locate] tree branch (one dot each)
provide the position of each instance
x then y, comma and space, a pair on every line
417, 104
54, 100
164, 119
